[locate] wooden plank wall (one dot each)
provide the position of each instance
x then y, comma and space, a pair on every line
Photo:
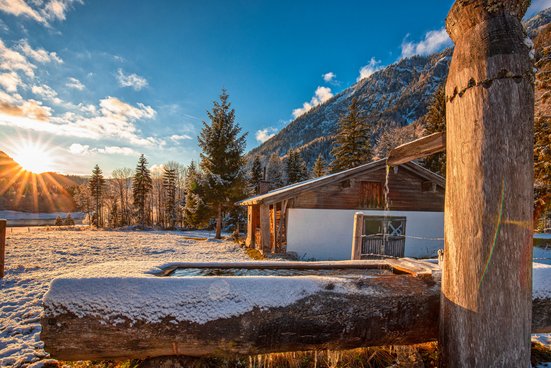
406, 193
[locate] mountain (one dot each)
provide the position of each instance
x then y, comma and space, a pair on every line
21, 190
393, 99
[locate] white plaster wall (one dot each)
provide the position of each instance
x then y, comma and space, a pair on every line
327, 234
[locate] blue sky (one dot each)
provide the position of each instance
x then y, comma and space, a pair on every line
102, 81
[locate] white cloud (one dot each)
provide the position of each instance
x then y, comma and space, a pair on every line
39, 55
20, 7
367, 70
42, 12
263, 135
321, 95
131, 80
179, 137
116, 150
83, 150
114, 119
113, 107
328, 77
10, 81
12, 60
434, 41
75, 84
537, 6
47, 93
79, 149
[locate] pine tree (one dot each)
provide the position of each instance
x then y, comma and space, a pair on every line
274, 172
352, 144
222, 160
58, 221
141, 188
97, 187
296, 167
196, 213
69, 220
436, 122
169, 185
257, 174
319, 167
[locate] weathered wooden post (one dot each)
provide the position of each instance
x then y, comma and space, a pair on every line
487, 282
3, 224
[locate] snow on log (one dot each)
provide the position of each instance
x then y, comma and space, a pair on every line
126, 310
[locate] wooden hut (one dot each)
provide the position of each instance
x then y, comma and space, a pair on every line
315, 218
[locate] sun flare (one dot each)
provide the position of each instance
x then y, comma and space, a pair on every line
34, 157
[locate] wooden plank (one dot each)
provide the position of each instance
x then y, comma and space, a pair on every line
419, 148
264, 228
3, 224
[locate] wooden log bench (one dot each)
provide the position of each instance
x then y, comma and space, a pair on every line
132, 310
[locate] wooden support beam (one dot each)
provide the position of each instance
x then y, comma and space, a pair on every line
249, 242
3, 224
273, 230
417, 149
357, 239
264, 228
487, 278
282, 228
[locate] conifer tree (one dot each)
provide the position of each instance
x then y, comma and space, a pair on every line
97, 187
319, 167
222, 160
274, 172
69, 220
257, 174
436, 122
141, 188
58, 221
296, 167
196, 213
169, 185
352, 144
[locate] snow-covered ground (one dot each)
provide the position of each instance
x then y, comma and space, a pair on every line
34, 259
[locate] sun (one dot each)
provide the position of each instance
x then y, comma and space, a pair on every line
34, 157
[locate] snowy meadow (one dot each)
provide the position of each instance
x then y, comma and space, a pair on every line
34, 258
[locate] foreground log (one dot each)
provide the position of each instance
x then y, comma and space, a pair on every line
138, 316
486, 281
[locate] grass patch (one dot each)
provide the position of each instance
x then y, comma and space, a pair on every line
254, 254
540, 354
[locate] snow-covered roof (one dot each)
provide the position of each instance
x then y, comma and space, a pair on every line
294, 189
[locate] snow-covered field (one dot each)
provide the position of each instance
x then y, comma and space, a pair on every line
34, 259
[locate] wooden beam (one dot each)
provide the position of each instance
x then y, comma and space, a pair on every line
264, 228
282, 214
419, 148
357, 239
249, 242
3, 224
273, 231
